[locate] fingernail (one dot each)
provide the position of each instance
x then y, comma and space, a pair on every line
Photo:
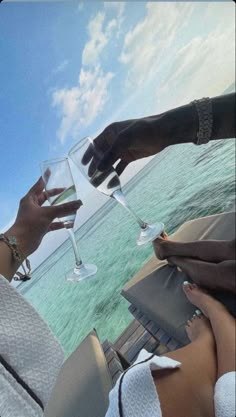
198, 312
185, 283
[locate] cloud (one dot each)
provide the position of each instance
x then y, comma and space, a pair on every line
61, 67
205, 66
100, 30
81, 104
164, 49
146, 44
118, 8
80, 6
97, 42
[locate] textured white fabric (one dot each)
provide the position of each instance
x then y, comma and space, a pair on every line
29, 347
139, 396
225, 396
138, 393
14, 400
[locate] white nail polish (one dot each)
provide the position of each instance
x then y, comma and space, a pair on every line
185, 283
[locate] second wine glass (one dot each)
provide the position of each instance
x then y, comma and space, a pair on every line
56, 173
86, 155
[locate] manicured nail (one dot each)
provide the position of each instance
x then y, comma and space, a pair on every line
194, 316
185, 283
198, 313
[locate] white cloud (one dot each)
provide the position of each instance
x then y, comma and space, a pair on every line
118, 8
205, 66
97, 42
61, 67
81, 104
80, 6
146, 44
100, 31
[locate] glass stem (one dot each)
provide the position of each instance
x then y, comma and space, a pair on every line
119, 197
78, 259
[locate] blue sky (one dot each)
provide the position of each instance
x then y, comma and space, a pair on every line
67, 69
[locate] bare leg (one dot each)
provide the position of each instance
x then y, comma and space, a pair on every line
210, 275
189, 390
206, 250
223, 326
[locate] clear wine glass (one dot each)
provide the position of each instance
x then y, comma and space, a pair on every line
56, 173
86, 154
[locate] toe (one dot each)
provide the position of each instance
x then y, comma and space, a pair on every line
186, 287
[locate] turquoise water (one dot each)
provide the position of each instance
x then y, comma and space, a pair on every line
181, 183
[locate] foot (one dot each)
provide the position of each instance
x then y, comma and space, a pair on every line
201, 299
208, 250
160, 247
217, 277
198, 328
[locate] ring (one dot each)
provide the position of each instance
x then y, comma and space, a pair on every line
198, 313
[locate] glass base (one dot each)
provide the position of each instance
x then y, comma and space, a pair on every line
150, 233
81, 273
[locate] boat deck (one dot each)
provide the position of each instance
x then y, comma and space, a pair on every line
128, 345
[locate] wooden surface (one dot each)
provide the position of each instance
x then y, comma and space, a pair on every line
142, 333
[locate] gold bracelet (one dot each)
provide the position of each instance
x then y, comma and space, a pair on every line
11, 242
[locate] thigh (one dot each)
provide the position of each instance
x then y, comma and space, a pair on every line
188, 391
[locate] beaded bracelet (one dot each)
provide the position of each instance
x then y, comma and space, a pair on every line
205, 117
11, 242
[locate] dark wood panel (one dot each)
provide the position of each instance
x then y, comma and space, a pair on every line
151, 345
126, 334
132, 340
142, 333
139, 344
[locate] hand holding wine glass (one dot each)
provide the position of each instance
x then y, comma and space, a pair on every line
86, 155
57, 175
130, 140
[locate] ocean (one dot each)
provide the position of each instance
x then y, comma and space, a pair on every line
181, 183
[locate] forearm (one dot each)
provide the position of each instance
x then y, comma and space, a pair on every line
223, 117
181, 125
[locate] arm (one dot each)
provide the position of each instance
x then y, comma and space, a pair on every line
32, 222
133, 139
181, 124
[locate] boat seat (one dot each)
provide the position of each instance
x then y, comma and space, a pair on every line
84, 383
156, 290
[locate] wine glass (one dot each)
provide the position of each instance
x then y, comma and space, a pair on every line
56, 173
86, 154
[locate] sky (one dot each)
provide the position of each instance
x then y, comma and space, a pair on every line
68, 69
